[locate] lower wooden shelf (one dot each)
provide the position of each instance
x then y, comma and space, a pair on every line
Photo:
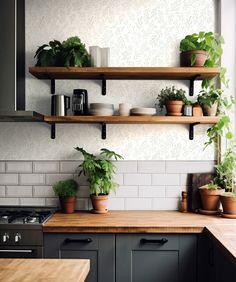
103, 120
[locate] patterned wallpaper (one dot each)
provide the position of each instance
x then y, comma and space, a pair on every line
139, 33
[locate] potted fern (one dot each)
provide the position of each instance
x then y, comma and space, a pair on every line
99, 171
66, 191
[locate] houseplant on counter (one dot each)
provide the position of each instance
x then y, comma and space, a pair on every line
99, 171
66, 190
173, 99
71, 52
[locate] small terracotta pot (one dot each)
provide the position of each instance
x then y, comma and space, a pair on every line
185, 58
210, 111
197, 111
67, 204
229, 204
99, 203
174, 108
210, 198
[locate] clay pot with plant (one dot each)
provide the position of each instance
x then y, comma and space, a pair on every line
173, 99
66, 190
99, 171
197, 110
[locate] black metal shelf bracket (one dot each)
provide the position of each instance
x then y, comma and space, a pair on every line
104, 130
191, 130
52, 86
104, 85
53, 131
191, 84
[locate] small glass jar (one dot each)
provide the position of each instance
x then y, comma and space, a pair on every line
188, 110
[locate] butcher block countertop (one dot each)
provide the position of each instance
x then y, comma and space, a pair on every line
222, 230
46, 270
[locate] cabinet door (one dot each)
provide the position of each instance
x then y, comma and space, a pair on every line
99, 249
155, 258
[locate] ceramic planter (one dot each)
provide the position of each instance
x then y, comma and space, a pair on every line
210, 198
174, 108
185, 58
99, 203
229, 204
210, 111
67, 204
197, 111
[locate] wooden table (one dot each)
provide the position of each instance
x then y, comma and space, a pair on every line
44, 270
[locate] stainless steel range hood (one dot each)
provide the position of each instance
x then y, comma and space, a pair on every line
12, 58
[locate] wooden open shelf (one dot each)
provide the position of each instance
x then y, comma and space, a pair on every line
163, 73
131, 119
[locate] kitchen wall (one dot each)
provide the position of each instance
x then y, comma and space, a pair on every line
139, 33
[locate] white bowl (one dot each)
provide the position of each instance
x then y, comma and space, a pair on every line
101, 106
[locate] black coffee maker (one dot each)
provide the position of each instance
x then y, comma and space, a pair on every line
80, 102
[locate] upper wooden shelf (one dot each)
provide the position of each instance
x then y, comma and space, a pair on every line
131, 119
162, 73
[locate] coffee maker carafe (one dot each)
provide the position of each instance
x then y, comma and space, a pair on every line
80, 102
59, 105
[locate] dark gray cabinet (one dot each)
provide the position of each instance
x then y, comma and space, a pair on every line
99, 248
156, 258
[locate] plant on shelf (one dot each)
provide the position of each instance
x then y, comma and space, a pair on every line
99, 171
173, 99
66, 191
71, 52
209, 98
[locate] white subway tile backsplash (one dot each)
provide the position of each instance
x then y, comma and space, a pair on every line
19, 167
137, 179
174, 191
138, 204
151, 166
82, 204
189, 167
19, 191
69, 166
126, 166
116, 204
32, 179
166, 203
9, 201
83, 192
165, 179
8, 179
151, 191
2, 167
125, 192
118, 178
2, 191
53, 202
32, 201
43, 191
82, 180
53, 178
46, 167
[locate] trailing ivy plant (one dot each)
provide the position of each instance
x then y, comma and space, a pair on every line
71, 52
99, 170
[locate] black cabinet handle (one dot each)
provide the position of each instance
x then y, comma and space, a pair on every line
154, 241
85, 241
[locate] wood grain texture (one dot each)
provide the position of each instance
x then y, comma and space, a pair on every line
131, 119
163, 73
43, 270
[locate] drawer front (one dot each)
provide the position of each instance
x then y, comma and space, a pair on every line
78, 241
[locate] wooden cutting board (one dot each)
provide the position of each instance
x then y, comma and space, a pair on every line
196, 180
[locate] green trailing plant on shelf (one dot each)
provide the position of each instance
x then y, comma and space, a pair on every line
71, 52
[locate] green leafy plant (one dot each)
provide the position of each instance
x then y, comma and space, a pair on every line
206, 41
65, 188
212, 186
99, 170
71, 52
210, 96
170, 94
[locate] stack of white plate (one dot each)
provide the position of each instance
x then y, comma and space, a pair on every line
101, 109
143, 111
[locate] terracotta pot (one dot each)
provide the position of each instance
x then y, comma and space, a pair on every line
229, 204
67, 204
174, 108
185, 58
210, 198
197, 111
210, 111
99, 203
